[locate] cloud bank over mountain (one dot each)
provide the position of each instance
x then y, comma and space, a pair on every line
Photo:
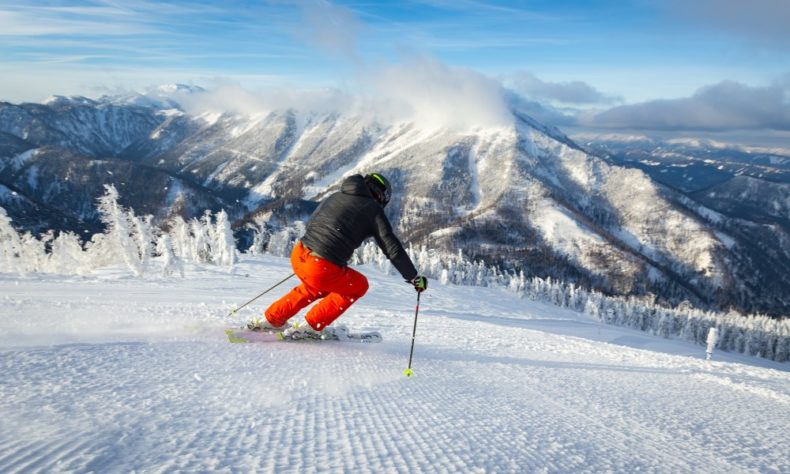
569, 92
728, 105
433, 94
448, 94
419, 89
421, 85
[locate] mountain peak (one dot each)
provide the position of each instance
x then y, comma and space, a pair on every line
179, 88
56, 100
164, 96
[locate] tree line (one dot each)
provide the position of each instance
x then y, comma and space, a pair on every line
134, 241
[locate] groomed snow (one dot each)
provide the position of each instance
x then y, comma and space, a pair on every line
112, 373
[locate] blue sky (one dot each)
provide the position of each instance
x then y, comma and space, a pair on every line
585, 57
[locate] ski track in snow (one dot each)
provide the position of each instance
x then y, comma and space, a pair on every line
136, 375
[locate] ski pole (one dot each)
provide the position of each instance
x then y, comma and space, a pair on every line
233, 311
408, 372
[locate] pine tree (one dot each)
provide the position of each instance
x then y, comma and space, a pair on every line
592, 309
33, 253
782, 352
67, 255
201, 240
445, 277
10, 244
118, 234
259, 239
663, 324
171, 262
142, 235
183, 246
224, 243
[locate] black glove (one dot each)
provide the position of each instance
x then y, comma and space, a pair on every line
420, 283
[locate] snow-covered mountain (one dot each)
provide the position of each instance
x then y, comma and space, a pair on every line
55, 158
690, 164
748, 187
751, 183
524, 195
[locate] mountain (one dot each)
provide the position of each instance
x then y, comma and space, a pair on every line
56, 157
523, 196
691, 165
747, 183
748, 188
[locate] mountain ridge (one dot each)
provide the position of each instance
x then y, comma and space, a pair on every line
524, 196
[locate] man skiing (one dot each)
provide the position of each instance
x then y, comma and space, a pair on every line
337, 227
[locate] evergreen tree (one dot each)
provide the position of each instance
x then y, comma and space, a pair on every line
33, 254
224, 243
201, 240
142, 235
782, 352
183, 246
592, 309
119, 239
171, 262
259, 239
67, 255
10, 244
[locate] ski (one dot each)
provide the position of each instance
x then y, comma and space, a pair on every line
340, 334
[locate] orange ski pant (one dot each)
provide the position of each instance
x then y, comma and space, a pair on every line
336, 287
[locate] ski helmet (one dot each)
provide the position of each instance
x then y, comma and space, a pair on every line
379, 187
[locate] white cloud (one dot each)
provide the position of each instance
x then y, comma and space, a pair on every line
571, 92
34, 23
727, 105
331, 28
436, 95
542, 112
420, 89
33, 82
233, 98
763, 21
417, 88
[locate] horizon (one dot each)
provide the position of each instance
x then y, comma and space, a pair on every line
715, 68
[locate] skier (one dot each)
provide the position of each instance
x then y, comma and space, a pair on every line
337, 227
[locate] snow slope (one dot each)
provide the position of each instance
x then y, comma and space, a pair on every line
136, 375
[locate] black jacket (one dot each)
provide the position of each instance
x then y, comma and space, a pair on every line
345, 219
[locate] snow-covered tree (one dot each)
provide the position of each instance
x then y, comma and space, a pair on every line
259, 239
10, 244
592, 309
782, 351
33, 253
118, 239
201, 240
142, 235
181, 239
445, 277
171, 263
224, 244
67, 255
281, 243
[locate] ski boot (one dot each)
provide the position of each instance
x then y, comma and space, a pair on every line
262, 325
303, 330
